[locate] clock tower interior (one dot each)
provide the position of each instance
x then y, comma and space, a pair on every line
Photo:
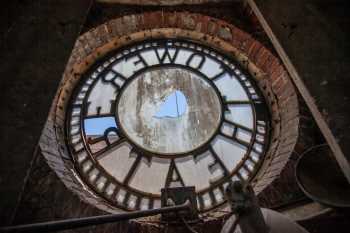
236, 107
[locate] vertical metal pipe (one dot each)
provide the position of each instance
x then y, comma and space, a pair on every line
244, 205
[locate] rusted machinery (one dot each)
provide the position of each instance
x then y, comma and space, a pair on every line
179, 204
321, 179
250, 218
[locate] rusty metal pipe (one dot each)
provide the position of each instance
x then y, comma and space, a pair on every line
88, 221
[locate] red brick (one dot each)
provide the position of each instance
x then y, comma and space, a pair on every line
254, 50
152, 20
188, 21
285, 109
170, 19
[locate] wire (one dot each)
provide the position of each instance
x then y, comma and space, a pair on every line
177, 105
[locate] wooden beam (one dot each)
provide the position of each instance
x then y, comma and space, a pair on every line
310, 102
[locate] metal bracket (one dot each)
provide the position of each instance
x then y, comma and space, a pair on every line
244, 205
179, 196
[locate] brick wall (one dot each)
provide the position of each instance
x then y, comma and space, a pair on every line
251, 54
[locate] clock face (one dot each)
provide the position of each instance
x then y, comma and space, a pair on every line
159, 112
166, 113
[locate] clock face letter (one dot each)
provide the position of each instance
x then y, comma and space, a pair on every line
166, 113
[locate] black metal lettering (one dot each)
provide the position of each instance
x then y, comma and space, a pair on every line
167, 54
200, 64
173, 175
219, 74
112, 80
141, 60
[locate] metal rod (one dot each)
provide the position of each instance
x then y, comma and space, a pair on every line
88, 221
309, 100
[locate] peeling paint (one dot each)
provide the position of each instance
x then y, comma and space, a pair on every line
144, 96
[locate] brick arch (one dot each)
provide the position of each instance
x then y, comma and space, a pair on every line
252, 55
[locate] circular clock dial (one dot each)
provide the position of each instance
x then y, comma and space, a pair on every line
159, 113
166, 113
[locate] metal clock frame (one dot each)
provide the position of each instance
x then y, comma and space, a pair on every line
100, 66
